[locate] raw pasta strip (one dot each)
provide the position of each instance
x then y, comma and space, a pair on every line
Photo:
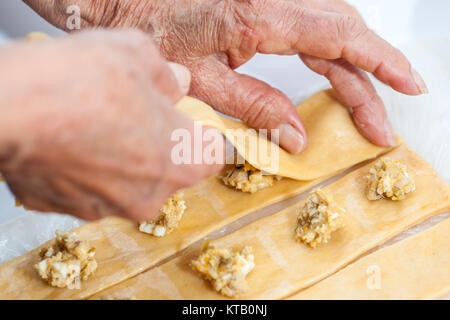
414, 268
284, 266
333, 140
123, 252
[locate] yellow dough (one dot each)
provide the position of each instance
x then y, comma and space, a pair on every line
122, 251
284, 266
414, 268
37, 37
333, 140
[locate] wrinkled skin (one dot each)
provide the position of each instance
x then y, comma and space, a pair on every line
213, 37
92, 137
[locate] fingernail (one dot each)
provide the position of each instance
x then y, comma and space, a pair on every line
389, 132
182, 74
420, 83
291, 139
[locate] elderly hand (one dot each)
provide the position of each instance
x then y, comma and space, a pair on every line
212, 38
86, 125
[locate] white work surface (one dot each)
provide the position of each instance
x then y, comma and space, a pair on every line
420, 28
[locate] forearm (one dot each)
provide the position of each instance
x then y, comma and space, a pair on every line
94, 13
52, 11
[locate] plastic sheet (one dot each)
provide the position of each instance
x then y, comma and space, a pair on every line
29, 231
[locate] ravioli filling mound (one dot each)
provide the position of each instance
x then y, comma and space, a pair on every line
389, 179
67, 262
225, 268
318, 218
247, 178
167, 221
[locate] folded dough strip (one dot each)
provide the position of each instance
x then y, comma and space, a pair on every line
333, 140
284, 266
414, 268
122, 251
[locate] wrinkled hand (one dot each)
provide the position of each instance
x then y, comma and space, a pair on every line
88, 125
212, 38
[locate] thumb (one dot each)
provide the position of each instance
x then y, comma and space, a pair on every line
253, 101
182, 75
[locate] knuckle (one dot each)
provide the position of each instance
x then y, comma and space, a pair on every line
258, 112
243, 25
297, 15
350, 28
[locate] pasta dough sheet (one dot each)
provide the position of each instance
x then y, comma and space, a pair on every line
284, 266
414, 268
123, 251
333, 140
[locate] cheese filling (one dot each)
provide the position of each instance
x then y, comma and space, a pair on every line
318, 218
67, 262
389, 179
225, 268
247, 178
167, 221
